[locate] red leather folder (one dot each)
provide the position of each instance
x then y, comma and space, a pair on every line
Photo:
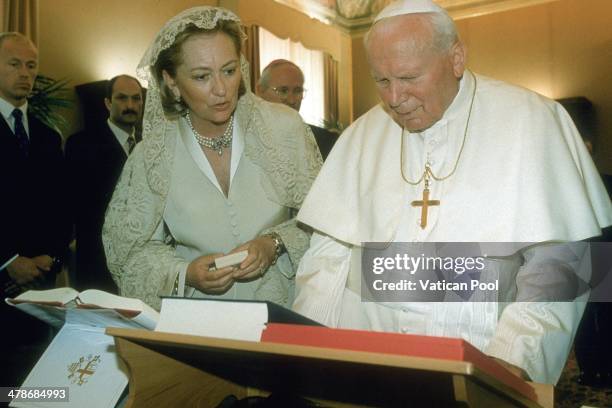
394, 343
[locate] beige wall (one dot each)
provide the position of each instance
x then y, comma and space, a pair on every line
560, 49
92, 40
285, 22
364, 90
89, 41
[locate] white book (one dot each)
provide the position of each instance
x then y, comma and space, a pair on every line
221, 319
224, 318
82, 357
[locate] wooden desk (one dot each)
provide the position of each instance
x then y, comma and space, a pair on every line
174, 370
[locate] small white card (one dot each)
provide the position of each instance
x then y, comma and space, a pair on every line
231, 259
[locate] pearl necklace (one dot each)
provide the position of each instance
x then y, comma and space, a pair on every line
215, 143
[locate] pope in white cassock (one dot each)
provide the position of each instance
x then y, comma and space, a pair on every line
495, 162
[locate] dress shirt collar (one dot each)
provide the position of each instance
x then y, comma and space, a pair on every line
6, 108
463, 98
457, 108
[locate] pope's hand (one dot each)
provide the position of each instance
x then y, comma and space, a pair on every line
261, 253
202, 277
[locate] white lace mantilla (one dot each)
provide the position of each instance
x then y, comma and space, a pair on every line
281, 145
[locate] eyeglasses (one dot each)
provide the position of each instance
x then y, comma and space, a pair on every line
284, 91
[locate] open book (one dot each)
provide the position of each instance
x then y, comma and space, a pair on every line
52, 306
82, 356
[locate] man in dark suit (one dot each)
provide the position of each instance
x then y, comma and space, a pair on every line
95, 159
34, 227
283, 82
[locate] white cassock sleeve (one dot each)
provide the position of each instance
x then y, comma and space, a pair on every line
321, 279
537, 336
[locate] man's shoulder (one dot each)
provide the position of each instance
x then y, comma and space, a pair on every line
367, 133
42, 131
319, 131
38, 125
280, 114
277, 118
507, 95
88, 136
375, 117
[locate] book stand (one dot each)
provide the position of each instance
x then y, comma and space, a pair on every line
171, 370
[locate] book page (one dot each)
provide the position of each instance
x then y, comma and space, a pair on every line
210, 318
144, 316
109, 301
55, 316
84, 360
58, 295
102, 318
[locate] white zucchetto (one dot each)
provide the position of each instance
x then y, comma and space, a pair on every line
401, 7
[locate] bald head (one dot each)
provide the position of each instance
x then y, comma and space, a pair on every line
14, 35
124, 101
282, 82
18, 67
416, 66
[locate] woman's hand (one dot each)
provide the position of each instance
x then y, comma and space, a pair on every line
207, 279
261, 254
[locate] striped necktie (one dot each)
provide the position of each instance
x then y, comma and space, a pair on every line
131, 143
20, 132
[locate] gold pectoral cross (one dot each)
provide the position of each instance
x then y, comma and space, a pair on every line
425, 203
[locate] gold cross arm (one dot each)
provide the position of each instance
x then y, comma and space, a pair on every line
424, 204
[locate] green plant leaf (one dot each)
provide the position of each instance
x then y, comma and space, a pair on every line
48, 96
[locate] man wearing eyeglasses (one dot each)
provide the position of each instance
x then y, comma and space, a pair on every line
283, 82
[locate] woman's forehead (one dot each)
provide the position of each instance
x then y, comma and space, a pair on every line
208, 48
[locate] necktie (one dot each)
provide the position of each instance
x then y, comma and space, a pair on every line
20, 132
131, 143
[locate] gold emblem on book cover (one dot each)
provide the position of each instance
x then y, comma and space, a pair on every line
83, 369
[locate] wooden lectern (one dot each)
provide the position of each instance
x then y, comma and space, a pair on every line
175, 370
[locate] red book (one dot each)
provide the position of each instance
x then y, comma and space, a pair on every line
443, 348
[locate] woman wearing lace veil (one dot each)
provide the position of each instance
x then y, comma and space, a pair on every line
219, 170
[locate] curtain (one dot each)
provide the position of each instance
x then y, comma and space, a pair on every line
21, 16
251, 52
330, 77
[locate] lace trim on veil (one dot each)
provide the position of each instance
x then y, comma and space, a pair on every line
290, 163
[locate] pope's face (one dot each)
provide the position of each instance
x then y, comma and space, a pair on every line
18, 69
416, 82
208, 79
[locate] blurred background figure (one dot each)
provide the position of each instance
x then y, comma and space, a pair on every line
95, 158
283, 82
35, 227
